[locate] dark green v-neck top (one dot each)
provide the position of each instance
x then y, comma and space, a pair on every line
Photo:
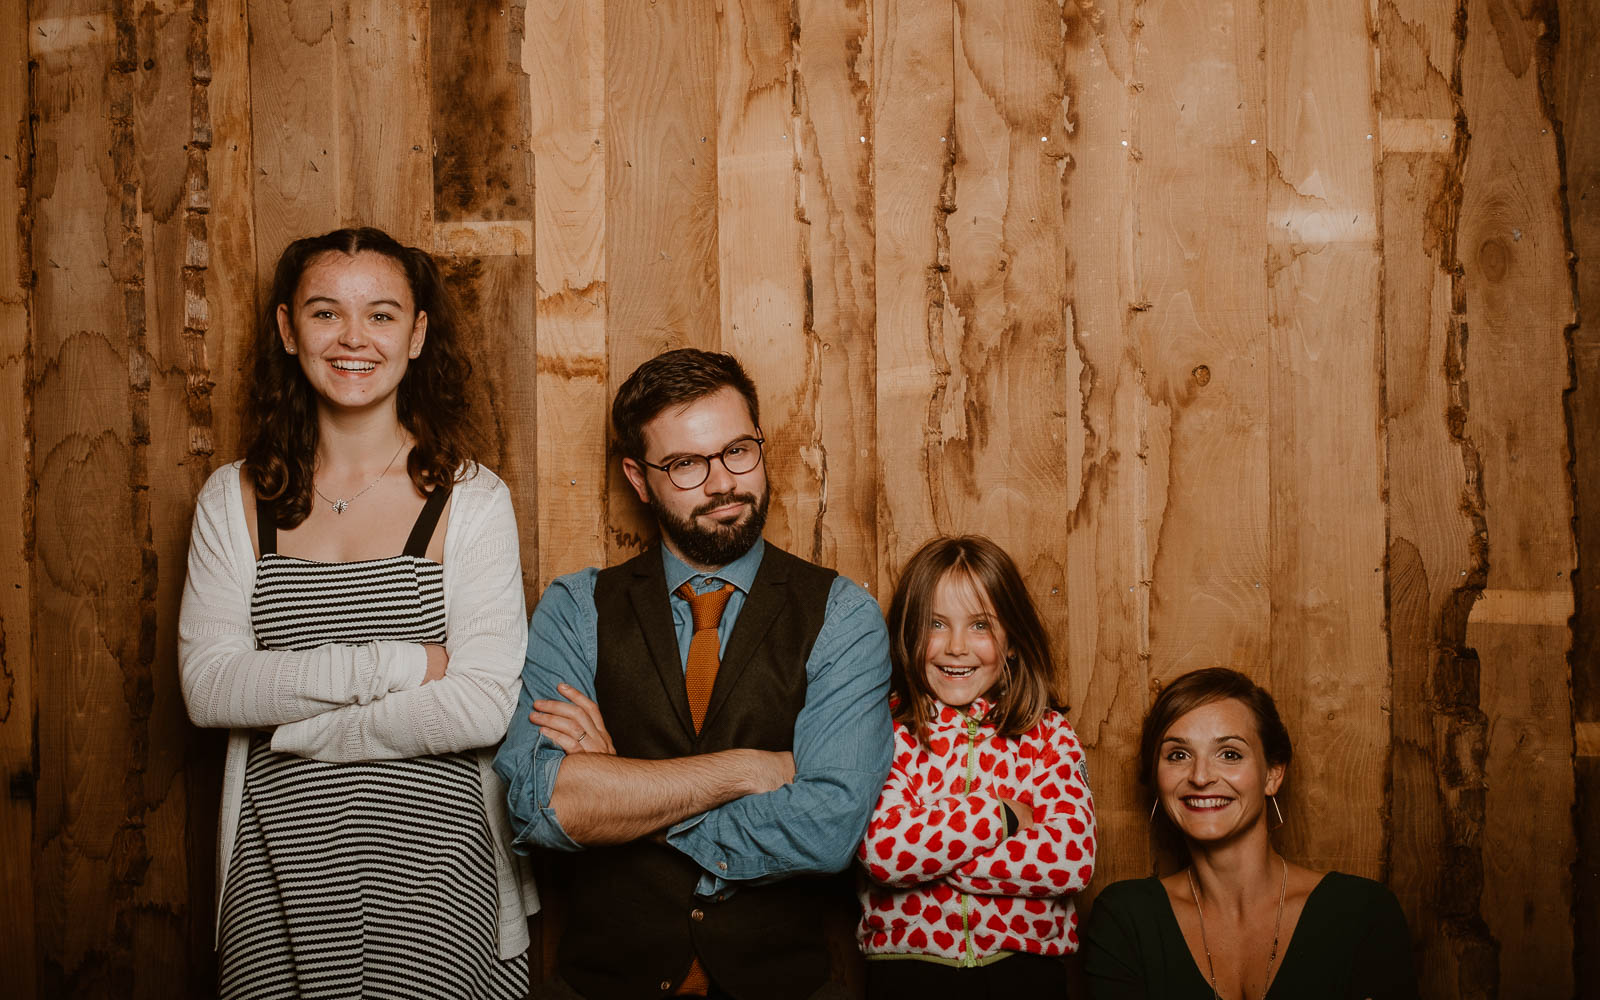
1351, 944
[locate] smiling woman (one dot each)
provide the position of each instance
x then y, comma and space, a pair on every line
1240, 921
365, 664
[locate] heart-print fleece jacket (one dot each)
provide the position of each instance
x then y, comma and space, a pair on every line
946, 882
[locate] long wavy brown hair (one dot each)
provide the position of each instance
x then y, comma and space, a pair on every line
280, 426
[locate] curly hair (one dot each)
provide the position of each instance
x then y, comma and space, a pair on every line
1024, 696
280, 425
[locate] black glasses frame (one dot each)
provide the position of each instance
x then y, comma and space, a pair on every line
705, 469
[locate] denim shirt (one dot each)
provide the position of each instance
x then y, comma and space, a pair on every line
843, 738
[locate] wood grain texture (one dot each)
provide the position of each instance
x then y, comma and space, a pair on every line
563, 55
1108, 561
1000, 441
1200, 333
1016, 268
1576, 101
483, 173
294, 128
18, 940
913, 118
98, 841
661, 204
1434, 546
761, 278
1329, 655
834, 79
1518, 298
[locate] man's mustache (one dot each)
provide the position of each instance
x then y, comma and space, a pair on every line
722, 500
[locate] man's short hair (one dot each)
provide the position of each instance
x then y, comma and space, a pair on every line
675, 378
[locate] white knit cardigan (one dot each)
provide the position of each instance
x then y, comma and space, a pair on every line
341, 702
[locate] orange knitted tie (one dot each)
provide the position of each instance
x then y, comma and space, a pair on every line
700, 670
700, 673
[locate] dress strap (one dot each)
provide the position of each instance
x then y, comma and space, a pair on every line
266, 526
422, 531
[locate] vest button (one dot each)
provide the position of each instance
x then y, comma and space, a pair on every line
722, 866
666, 984
697, 914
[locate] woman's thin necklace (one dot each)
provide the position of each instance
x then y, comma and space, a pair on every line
1272, 956
340, 505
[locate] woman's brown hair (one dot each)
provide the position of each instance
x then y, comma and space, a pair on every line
1025, 685
281, 435
1202, 687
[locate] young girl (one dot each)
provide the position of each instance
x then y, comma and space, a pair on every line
985, 827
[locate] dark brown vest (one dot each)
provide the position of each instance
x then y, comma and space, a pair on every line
634, 921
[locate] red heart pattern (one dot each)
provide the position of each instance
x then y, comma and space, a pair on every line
945, 880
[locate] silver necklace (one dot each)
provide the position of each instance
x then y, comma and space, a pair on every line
1272, 956
343, 503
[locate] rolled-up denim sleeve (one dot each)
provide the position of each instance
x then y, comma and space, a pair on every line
842, 748
561, 649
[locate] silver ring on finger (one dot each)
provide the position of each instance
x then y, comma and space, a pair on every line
583, 736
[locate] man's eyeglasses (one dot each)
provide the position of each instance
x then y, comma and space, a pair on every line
690, 471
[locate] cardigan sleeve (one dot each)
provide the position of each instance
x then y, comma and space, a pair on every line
226, 680
487, 636
1055, 855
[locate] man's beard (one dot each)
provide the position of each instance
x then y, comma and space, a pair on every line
718, 545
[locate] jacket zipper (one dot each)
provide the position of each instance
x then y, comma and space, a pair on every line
968, 960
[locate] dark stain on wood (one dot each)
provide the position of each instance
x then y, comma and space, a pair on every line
480, 164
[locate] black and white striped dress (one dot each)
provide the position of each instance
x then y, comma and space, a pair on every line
369, 879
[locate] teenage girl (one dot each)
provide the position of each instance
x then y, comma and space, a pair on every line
985, 828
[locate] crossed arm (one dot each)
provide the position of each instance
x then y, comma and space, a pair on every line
355, 701
741, 814
916, 837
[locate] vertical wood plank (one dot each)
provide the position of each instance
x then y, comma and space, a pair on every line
1002, 431
661, 203
1518, 296
342, 137
1199, 327
483, 202
834, 80
384, 86
563, 54
1434, 547
230, 278
93, 850
1577, 105
216, 387
1329, 655
760, 276
1107, 648
913, 126
295, 132
170, 424
17, 713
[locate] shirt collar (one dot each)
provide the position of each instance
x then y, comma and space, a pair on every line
741, 572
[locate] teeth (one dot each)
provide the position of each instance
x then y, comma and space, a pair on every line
355, 366
1206, 803
958, 671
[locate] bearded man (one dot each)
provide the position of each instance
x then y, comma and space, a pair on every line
706, 724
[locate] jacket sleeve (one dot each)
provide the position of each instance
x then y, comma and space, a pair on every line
226, 680
910, 839
487, 636
1055, 855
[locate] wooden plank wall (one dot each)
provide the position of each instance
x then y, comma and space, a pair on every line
1254, 332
